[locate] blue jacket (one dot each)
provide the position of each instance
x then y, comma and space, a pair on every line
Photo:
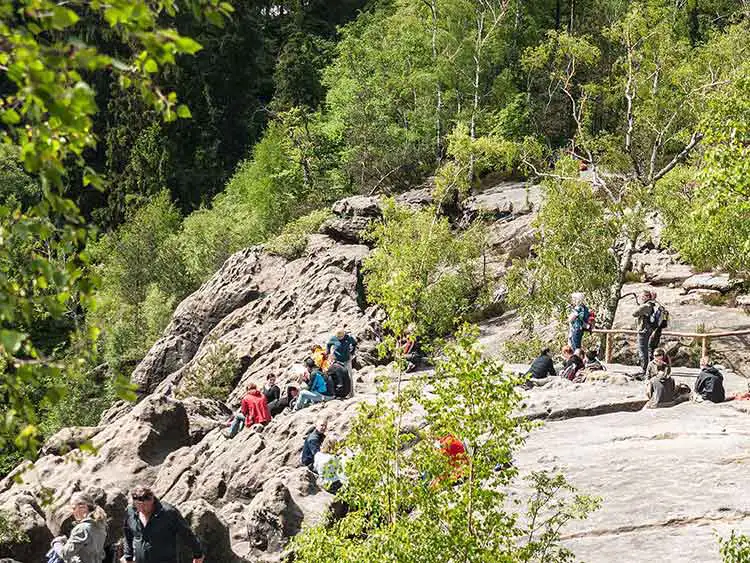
318, 383
342, 349
311, 447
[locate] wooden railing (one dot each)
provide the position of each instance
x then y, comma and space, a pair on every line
704, 337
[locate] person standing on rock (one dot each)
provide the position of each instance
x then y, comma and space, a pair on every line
86, 542
313, 442
643, 315
577, 320
343, 346
152, 528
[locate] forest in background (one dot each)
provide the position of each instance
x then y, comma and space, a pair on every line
289, 107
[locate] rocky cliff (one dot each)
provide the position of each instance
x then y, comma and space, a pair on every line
247, 496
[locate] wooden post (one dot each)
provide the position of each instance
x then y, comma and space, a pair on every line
608, 348
704, 346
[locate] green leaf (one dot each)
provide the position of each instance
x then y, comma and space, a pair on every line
150, 66
11, 340
63, 17
183, 111
11, 117
187, 45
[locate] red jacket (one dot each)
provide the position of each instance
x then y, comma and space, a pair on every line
255, 408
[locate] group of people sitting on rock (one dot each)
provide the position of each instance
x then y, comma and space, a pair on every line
325, 375
575, 365
153, 532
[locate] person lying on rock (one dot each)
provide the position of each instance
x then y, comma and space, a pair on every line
86, 542
318, 390
342, 346
661, 389
313, 441
253, 410
287, 401
152, 528
271, 391
710, 383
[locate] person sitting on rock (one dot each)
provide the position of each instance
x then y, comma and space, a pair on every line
542, 366
341, 380
329, 467
317, 388
313, 441
271, 390
152, 528
573, 362
710, 383
253, 410
593, 363
342, 347
287, 401
86, 542
661, 389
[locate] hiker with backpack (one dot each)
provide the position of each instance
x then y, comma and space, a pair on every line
579, 320
319, 388
645, 329
87, 539
659, 320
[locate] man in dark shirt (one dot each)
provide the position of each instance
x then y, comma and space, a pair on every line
271, 391
643, 324
313, 442
710, 382
152, 528
542, 366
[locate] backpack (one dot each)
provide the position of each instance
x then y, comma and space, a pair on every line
659, 317
590, 321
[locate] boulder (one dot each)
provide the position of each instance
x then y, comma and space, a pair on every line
661, 268
349, 230
69, 439
273, 517
503, 200
358, 206
512, 238
417, 199
717, 282
743, 301
211, 530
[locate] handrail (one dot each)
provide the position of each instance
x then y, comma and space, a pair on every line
671, 333
704, 337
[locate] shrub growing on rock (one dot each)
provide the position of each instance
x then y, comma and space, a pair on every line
422, 273
213, 375
292, 242
410, 502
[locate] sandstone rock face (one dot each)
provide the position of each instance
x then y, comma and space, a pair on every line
661, 268
503, 200
717, 282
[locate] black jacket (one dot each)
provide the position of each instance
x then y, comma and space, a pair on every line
710, 384
272, 393
311, 447
342, 383
542, 367
157, 541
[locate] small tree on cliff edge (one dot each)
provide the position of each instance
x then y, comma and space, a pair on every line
407, 502
632, 126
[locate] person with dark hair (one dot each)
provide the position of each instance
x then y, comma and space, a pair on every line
661, 389
313, 441
542, 366
341, 380
643, 315
317, 388
593, 363
271, 390
341, 347
710, 383
152, 528
253, 410
573, 362
287, 401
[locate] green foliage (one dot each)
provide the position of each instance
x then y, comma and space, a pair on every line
10, 532
407, 502
735, 549
576, 232
525, 349
422, 273
291, 243
213, 375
